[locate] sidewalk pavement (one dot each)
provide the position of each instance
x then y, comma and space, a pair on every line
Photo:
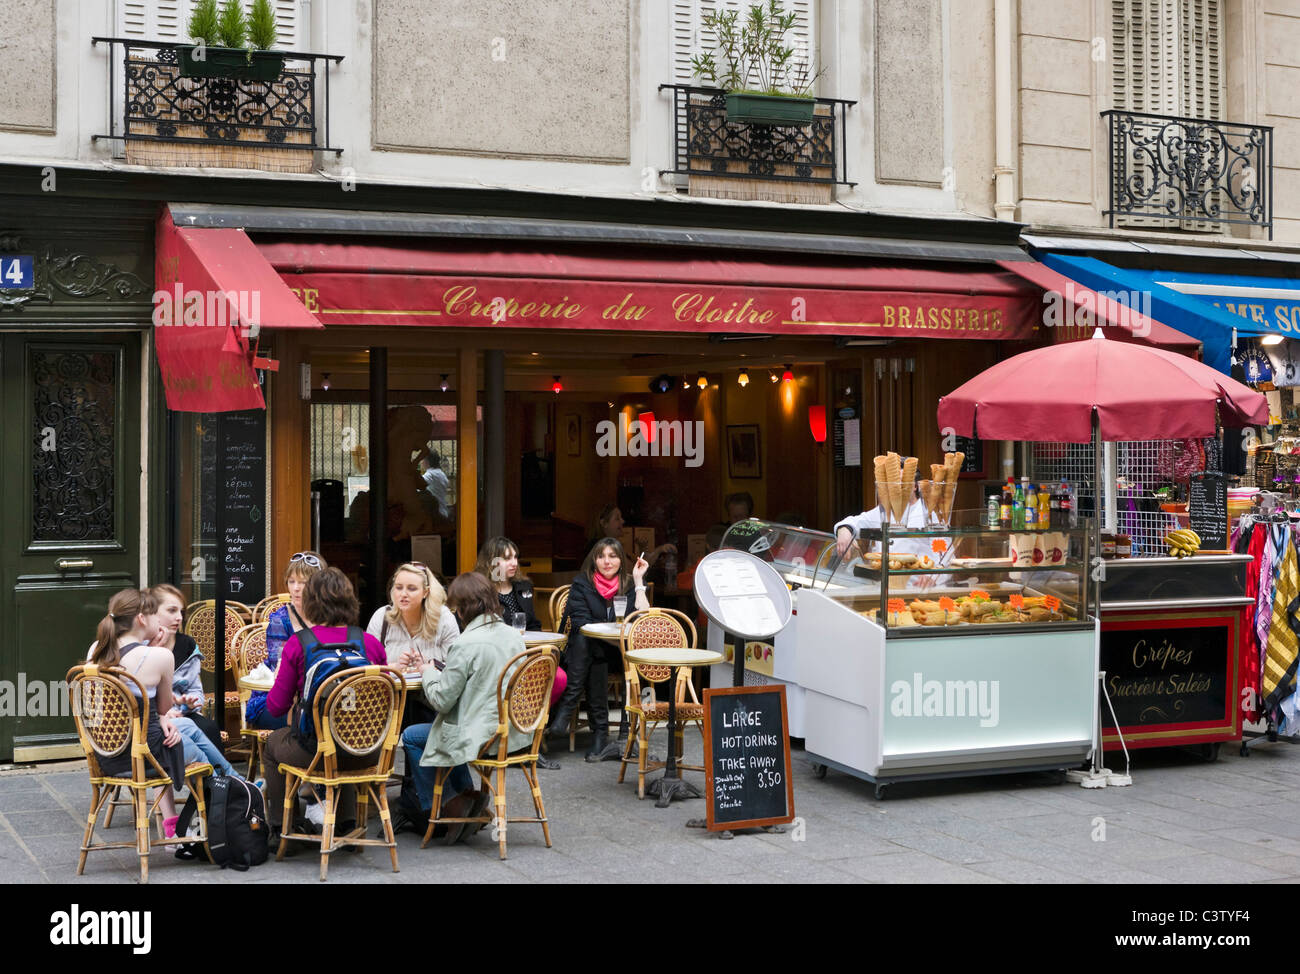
1182, 821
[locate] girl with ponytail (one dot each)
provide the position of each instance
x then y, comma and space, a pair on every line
122, 640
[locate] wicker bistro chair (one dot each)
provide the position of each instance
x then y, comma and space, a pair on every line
201, 624
357, 712
262, 611
249, 653
523, 702
558, 600
656, 628
110, 720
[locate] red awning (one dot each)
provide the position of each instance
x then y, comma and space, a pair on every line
1078, 310
488, 287
215, 292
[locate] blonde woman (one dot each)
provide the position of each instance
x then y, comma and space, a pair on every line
416, 627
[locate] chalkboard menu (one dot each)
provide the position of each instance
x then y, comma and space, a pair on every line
1207, 507
973, 448
747, 757
1158, 672
243, 499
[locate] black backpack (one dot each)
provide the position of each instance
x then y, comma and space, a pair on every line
237, 826
320, 661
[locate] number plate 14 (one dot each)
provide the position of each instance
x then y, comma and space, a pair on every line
17, 273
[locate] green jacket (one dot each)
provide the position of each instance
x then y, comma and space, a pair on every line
465, 693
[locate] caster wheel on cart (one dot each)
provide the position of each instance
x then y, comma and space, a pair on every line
1245, 751
880, 792
1210, 752
819, 770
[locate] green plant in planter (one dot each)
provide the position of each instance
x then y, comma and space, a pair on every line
224, 34
204, 22
231, 26
261, 26
766, 83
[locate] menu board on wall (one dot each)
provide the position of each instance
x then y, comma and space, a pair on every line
243, 500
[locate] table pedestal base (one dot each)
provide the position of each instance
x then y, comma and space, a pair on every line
666, 789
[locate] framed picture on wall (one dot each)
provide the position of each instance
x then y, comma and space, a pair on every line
573, 434
744, 452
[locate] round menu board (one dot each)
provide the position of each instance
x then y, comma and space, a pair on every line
742, 594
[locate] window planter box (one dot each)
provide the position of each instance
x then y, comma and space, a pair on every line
229, 62
787, 162
250, 120
756, 109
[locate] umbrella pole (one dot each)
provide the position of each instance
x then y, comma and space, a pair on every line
1097, 492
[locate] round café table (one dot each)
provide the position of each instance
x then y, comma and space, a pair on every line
534, 638
672, 785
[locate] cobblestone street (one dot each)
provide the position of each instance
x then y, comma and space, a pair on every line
1182, 821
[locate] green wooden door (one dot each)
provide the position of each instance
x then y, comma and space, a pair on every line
70, 534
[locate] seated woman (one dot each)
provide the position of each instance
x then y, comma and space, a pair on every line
603, 576
121, 640
187, 685
498, 562
465, 698
416, 628
330, 603
280, 625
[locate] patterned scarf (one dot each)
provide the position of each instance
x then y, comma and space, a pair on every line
1264, 598
1283, 650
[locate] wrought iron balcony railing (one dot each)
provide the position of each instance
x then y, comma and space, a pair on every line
161, 111
706, 144
1192, 170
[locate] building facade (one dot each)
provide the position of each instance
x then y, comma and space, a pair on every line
424, 179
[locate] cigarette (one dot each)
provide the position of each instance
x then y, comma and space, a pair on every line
642, 558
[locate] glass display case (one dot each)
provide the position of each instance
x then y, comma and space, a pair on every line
960, 577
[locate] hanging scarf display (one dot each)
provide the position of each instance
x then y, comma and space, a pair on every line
1264, 601
1254, 546
1282, 648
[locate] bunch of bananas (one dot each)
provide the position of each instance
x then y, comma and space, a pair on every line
1183, 542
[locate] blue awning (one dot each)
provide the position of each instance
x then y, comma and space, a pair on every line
1206, 306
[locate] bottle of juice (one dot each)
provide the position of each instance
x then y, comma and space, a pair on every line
1018, 509
1004, 509
1044, 508
1031, 506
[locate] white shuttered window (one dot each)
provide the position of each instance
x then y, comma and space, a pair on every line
691, 37
1167, 60
168, 20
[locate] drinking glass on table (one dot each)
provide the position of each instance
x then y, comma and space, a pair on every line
519, 621
620, 607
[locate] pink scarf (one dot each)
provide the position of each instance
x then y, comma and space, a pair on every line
607, 587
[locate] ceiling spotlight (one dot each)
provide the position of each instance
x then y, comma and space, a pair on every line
686, 383
557, 386
609, 403
702, 381
743, 378
443, 384
787, 375
1271, 340
661, 383
772, 375
325, 381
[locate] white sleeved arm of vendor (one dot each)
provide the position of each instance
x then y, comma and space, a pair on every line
857, 523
